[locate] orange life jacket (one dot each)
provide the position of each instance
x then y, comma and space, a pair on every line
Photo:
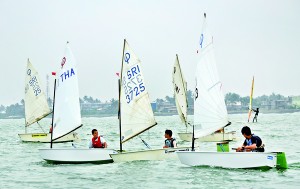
97, 142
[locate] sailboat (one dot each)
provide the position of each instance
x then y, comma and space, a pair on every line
66, 118
250, 100
180, 91
211, 114
135, 111
36, 108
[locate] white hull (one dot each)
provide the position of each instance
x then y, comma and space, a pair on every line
76, 156
215, 137
229, 159
46, 137
157, 154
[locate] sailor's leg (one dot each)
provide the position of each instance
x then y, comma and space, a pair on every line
255, 118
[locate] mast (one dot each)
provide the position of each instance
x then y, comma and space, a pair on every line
119, 113
25, 102
119, 82
25, 98
47, 89
193, 139
53, 111
250, 101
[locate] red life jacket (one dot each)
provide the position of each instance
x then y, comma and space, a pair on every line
97, 142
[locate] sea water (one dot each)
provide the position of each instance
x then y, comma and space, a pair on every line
22, 167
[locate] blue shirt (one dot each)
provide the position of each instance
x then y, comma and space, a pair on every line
253, 140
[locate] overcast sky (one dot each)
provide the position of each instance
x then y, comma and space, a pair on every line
260, 38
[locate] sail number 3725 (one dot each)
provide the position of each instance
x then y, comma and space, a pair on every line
133, 83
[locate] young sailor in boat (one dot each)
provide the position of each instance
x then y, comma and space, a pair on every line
252, 142
97, 141
169, 142
256, 114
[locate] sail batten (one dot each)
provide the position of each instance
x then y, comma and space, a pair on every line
67, 133
210, 113
36, 106
139, 133
136, 111
38, 119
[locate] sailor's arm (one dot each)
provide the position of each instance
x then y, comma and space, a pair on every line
174, 144
240, 148
90, 144
251, 147
103, 141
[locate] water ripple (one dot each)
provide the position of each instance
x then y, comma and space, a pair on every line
22, 166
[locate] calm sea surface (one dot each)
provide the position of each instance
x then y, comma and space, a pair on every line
22, 167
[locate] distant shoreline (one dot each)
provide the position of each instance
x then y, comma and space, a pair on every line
283, 111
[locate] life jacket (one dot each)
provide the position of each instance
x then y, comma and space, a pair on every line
169, 142
257, 140
97, 142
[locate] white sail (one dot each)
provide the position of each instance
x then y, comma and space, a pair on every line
210, 113
180, 90
136, 112
67, 117
36, 106
250, 99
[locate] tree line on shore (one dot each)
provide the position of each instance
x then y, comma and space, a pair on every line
94, 106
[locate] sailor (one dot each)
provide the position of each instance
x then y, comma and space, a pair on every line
256, 114
50, 129
97, 141
169, 142
252, 142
